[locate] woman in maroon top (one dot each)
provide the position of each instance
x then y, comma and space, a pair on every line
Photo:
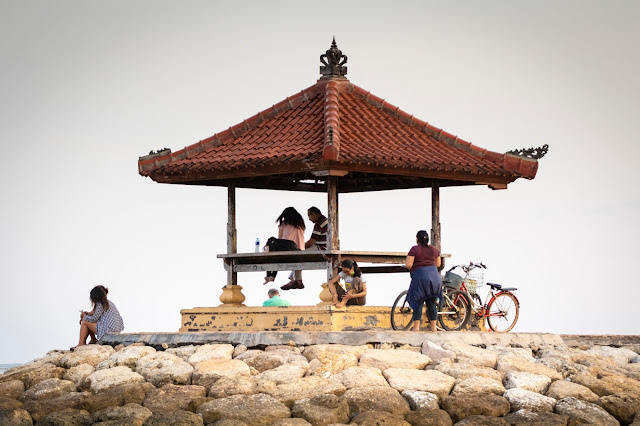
426, 286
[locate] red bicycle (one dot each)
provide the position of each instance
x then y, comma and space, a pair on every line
502, 308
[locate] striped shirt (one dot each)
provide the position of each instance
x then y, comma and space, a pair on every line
319, 233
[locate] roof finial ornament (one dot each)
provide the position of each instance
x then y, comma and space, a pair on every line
333, 62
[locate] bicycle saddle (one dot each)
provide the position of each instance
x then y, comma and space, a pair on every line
499, 287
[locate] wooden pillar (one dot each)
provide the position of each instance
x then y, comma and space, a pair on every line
232, 292
333, 238
435, 215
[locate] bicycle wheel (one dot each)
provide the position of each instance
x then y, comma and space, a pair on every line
503, 312
456, 310
401, 312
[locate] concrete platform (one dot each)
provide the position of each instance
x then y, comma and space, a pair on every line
257, 339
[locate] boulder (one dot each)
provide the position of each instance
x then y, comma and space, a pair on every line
10, 404
524, 353
313, 351
54, 357
584, 412
236, 422
183, 352
284, 374
528, 381
286, 422
380, 398
353, 377
620, 356
87, 354
206, 373
436, 353
15, 417
521, 399
603, 383
263, 360
32, 373
517, 363
419, 400
464, 370
478, 385
376, 417
622, 406
333, 363
428, 417
322, 410
40, 408
482, 421
207, 352
170, 418
259, 409
241, 385
78, 374
103, 379
164, 368
421, 380
524, 417
129, 413
129, 356
565, 368
173, 397
393, 358
133, 393
472, 354
463, 406
562, 389
307, 387
49, 388
11, 389
239, 349
67, 417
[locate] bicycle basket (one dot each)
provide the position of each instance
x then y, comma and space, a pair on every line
452, 280
473, 281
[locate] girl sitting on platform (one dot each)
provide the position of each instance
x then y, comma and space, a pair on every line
290, 227
355, 289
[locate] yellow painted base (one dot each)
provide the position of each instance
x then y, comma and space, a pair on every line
286, 318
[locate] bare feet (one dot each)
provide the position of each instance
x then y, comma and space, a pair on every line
268, 279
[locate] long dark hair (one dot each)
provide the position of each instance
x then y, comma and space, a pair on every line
98, 294
352, 264
423, 238
290, 216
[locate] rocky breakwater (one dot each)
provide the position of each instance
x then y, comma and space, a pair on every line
222, 384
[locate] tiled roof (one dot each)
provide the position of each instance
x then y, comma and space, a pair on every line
334, 125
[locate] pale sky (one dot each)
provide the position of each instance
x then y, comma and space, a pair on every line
88, 87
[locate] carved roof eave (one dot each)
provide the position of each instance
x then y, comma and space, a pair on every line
322, 168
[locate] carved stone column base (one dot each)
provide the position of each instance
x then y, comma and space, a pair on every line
325, 296
232, 295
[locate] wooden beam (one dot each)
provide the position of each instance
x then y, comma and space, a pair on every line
285, 266
333, 239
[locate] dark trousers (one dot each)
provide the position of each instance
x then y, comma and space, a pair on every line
432, 310
355, 301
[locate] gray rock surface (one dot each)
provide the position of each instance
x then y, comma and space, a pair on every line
375, 417
67, 417
521, 399
354, 377
524, 417
623, 407
241, 385
206, 373
436, 353
164, 368
478, 385
419, 400
584, 412
87, 354
428, 417
528, 381
11, 389
207, 352
307, 387
171, 418
78, 374
563, 389
49, 388
129, 413
472, 354
15, 417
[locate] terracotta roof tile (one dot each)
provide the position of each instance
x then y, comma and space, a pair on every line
339, 122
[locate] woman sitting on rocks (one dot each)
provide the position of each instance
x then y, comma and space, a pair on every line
104, 317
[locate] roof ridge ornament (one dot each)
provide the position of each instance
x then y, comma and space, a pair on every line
333, 62
533, 153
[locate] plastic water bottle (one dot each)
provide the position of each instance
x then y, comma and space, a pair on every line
257, 245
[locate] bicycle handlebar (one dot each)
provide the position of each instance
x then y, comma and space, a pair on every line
468, 267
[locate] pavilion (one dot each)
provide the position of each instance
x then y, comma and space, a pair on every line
332, 137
